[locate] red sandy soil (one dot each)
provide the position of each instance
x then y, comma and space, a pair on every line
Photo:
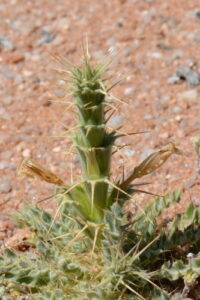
151, 39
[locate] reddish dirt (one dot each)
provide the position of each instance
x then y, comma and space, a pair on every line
151, 39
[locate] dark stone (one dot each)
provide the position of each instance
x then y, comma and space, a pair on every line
47, 37
36, 80
164, 47
197, 13
119, 24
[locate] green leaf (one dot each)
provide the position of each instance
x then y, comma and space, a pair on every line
10, 253
42, 278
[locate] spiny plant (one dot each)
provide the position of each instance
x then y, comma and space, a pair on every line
89, 249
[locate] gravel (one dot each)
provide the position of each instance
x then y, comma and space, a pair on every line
47, 37
5, 186
191, 77
176, 109
4, 164
8, 73
197, 13
116, 121
173, 79
6, 43
189, 95
129, 91
146, 53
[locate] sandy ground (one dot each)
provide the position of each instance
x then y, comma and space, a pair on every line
157, 53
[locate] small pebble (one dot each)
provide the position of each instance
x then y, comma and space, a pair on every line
164, 135
26, 153
178, 54
148, 117
56, 149
164, 47
17, 58
173, 79
8, 73
191, 77
27, 73
197, 13
116, 121
4, 164
128, 90
6, 44
156, 55
5, 186
178, 118
197, 39
47, 38
177, 109
189, 95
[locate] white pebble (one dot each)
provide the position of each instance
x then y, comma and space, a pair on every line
26, 153
178, 118
128, 91
56, 149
